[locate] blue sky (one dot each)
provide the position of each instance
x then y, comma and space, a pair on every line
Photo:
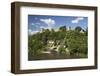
37, 22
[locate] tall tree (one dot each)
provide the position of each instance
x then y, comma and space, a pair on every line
63, 28
78, 28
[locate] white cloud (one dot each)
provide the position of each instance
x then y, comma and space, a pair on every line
35, 23
30, 32
38, 23
77, 20
80, 18
50, 22
32, 24
42, 27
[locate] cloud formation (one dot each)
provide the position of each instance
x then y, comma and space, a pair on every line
50, 22
30, 32
38, 23
41, 27
77, 20
32, 24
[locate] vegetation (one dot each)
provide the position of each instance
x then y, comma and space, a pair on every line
61, 44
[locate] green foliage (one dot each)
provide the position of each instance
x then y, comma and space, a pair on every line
77, 42
73, 40
63, 28
78, 28
62, 50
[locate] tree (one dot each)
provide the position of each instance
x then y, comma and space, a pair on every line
73, 40
77, 42
65, 43
63, 28
52, 34
45, 36
78, 28
37, 45
45, 39
62, 50
86, 32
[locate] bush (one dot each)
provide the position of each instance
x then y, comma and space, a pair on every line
62, 50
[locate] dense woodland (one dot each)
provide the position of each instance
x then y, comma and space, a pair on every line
63, 43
